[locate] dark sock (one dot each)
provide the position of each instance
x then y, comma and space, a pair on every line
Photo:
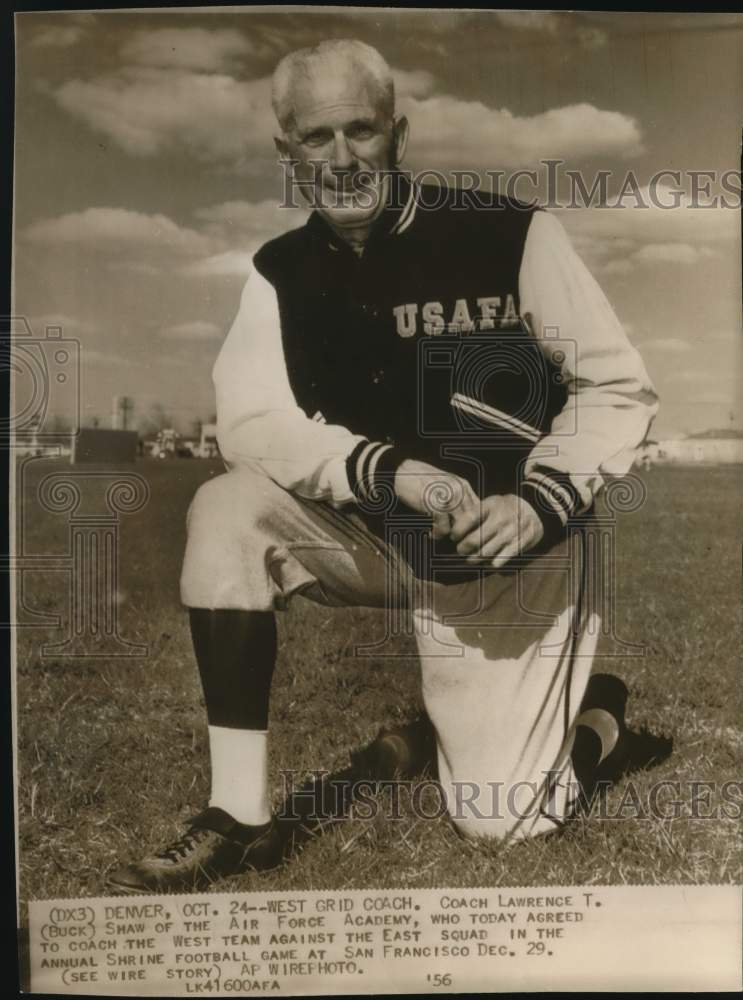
236, 654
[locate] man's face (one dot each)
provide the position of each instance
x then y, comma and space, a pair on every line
341, 138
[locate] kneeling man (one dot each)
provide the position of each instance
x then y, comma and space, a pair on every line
418, 401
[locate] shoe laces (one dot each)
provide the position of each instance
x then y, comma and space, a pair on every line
181, 848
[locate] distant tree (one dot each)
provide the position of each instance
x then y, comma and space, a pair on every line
156, 419
58, 424
719, 432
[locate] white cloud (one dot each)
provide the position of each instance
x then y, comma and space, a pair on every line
549, 23
146, 109
58, 36
616, 267
447, 132
654, 224
187, 48
571, 27
254, 221
673, 253
592, 38
600, 248
618, 240
413, 83
231, 264
197, 329
104, 358
529, 20
242, 227
663, 253
101, 228
68, 324
222, 244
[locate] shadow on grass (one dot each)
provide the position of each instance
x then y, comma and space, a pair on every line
409, 752
399, 754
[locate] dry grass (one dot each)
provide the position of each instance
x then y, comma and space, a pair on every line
112, 755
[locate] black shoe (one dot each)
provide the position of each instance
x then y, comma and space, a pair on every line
400, 753
605, 749
215, 846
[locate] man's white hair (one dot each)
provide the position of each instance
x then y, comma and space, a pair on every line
297, 68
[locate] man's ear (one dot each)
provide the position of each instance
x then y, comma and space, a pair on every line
282, 147
401, 134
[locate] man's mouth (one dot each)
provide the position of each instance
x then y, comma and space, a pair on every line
358, 197
353, 183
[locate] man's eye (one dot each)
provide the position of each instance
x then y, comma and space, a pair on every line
360, 132
315, 139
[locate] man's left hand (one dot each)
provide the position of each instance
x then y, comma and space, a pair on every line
499, 529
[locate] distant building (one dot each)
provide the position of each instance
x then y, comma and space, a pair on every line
692, 451
208, 447
62, 449
35, 440
166, 444
188, 448
94, 444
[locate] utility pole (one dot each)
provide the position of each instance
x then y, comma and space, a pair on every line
126, 408
122, 407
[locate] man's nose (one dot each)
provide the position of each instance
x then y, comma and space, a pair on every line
343, 157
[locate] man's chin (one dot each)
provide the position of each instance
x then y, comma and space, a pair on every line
346, 210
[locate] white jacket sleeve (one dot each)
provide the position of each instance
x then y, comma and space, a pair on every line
611, 401
258, 419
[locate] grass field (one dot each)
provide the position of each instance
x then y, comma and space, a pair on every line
112, 754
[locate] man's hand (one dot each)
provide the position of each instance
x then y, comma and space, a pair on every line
503, 527
429, 490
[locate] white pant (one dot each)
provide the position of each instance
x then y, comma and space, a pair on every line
505, 656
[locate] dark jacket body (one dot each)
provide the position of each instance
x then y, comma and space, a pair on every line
419, 342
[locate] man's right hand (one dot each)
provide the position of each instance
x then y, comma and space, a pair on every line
432, 491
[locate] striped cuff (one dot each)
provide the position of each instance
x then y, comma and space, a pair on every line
553, 497
371, 465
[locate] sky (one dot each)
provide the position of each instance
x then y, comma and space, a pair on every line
146, 176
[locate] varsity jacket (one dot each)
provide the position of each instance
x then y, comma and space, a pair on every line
469, 334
